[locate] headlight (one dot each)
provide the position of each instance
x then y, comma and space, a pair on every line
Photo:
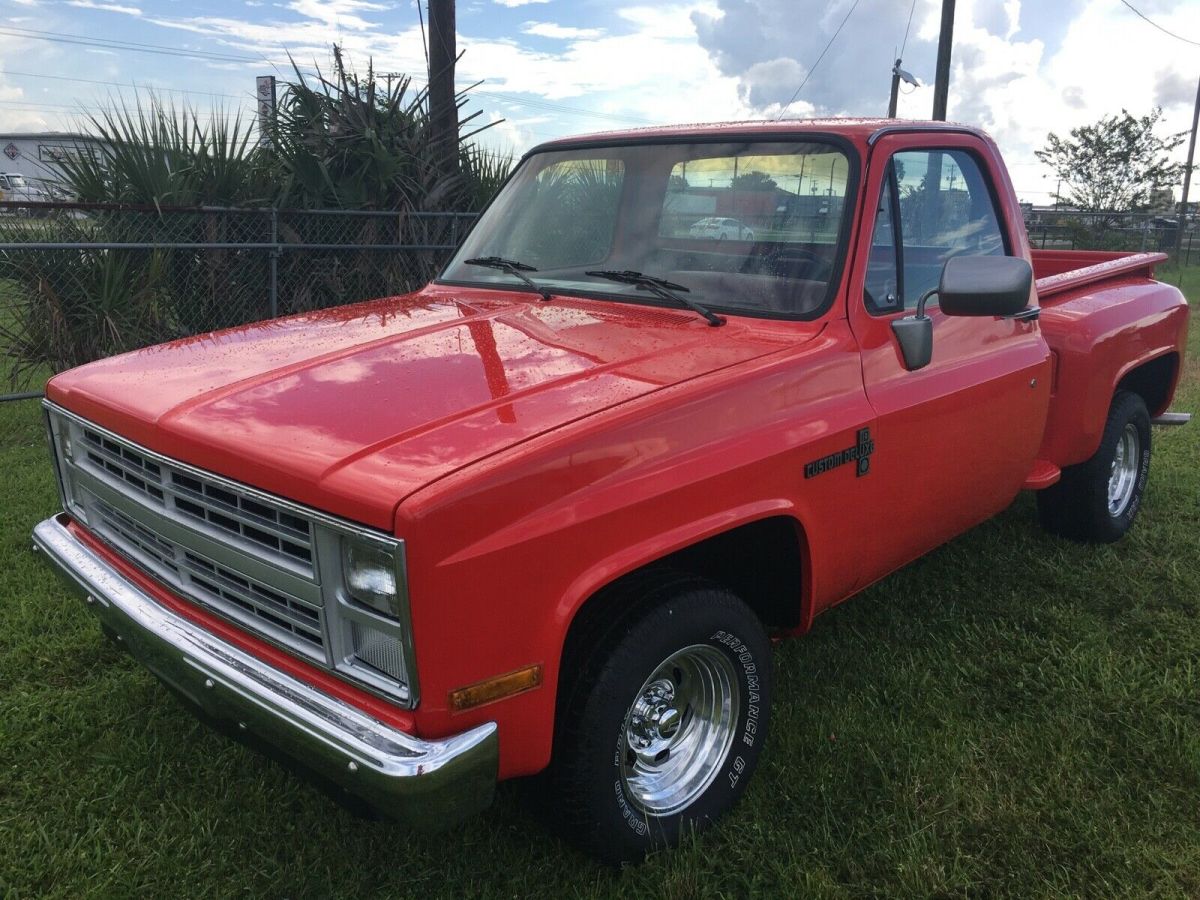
373, 611
370, 574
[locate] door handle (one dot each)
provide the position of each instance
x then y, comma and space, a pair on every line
1029, 314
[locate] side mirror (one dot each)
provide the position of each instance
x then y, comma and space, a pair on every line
970, 286
984, 286
915, 335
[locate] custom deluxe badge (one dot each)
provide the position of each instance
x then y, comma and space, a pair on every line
860, 454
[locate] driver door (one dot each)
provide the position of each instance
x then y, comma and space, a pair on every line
956, 439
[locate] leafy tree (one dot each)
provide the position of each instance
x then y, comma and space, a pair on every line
1114, 165
753, 181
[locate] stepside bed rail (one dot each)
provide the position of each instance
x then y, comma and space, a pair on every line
1060, 271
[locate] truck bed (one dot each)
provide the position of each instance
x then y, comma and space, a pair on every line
1061, 271
1110, 326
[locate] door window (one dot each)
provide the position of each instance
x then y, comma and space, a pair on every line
882, 291
945, 208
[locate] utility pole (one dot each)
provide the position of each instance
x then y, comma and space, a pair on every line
941, 87
443, 104
1187, 178
894, 97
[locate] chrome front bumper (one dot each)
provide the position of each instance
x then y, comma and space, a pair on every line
425, 783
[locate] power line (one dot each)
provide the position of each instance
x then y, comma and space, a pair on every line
818, 62
122, 84
81, 111
136, 47
904, 43
1146, 18
558, 107
63, 37
150, 48
547, 105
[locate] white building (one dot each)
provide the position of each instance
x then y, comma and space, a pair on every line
35, 154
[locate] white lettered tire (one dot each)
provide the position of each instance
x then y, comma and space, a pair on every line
1098, 500
664, 723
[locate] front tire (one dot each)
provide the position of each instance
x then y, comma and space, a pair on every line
665, 723
1098, 500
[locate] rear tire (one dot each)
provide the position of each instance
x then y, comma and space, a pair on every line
663, 726
1098, 500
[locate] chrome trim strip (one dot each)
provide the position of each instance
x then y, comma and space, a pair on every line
1172, 418
52, 438
420, 782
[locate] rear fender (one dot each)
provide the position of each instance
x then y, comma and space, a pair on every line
1099, 339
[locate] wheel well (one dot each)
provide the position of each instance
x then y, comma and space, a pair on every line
1152, 381
760, 561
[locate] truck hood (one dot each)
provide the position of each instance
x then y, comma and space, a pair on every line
351, 409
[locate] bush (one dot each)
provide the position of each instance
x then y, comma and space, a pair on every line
343, 142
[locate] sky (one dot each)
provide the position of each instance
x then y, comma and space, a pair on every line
1021, 68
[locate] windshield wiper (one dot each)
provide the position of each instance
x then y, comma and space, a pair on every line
660, 287
512, 267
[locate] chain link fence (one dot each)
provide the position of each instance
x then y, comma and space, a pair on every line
82, 281
1075, 230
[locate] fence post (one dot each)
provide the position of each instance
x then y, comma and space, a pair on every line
275, 250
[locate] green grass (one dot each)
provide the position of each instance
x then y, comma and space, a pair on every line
1012, 715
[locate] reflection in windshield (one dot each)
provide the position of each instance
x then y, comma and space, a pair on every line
746, 227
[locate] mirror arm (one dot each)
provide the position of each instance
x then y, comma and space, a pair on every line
924, 299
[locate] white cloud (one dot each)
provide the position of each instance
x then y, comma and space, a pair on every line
1028, 91
337, 13
563, 32
673, 22
1021, 67
106, 7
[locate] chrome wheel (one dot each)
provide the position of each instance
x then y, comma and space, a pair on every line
679, 729
1123, 475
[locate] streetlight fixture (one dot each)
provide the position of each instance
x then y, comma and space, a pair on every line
898, 75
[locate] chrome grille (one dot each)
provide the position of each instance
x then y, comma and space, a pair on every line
122, 530
124, 463
238, 514
206, 581
265, 563
283, 535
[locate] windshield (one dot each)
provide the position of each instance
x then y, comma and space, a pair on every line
746, 227
16, 181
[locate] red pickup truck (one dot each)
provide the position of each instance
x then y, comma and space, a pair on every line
546, 514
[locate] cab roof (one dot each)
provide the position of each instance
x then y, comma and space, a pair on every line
857, 130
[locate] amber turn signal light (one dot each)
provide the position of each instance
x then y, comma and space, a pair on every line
501, 686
